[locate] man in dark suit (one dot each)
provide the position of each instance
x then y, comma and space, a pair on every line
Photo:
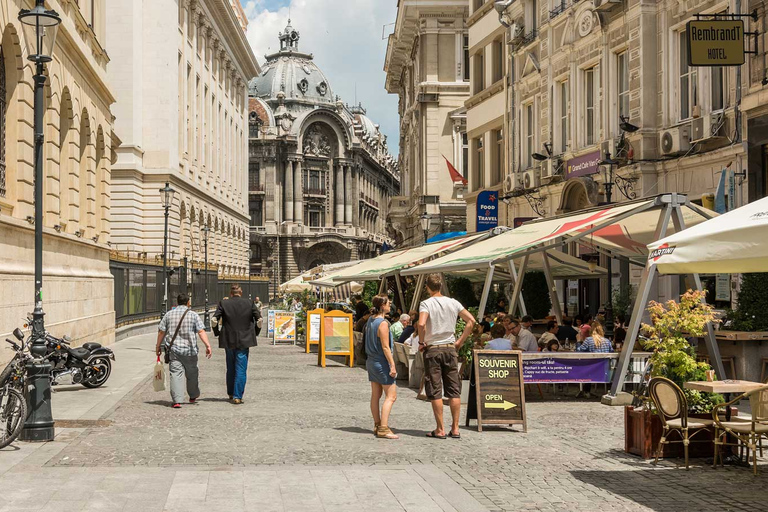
238, 318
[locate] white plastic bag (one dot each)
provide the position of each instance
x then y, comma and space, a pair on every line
158, 383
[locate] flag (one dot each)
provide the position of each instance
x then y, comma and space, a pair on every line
455, 175
720, 192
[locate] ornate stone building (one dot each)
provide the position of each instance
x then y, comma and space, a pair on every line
77, 285
321, 177
180, 70
427, 67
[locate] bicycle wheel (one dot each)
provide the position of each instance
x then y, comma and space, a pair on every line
13, 414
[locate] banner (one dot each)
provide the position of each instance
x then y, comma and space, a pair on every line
554, 370
487, 210
583, 165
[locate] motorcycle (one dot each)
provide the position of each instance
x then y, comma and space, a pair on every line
89, 365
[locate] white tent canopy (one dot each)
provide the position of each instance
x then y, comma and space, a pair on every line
734, 242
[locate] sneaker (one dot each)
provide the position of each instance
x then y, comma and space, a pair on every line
193, 400
237, 401
177, 406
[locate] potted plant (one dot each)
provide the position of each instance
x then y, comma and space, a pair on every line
672, 325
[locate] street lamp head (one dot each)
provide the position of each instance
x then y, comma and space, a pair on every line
166, 195
626, 126
607, 160
539, 157
425, 220
40, 27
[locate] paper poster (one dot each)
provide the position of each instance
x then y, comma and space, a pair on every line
314, 328
723, 287
285, 326
337, 334
271, 323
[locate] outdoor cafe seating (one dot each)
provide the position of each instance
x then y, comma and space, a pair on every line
747, 432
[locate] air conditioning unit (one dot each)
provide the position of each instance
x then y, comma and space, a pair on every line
707, 127
675, 140
606, 5
509, 183
530, 179
608, 146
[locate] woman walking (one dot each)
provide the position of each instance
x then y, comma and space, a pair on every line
381, 366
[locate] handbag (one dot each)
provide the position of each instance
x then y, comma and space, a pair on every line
176, 333
159, 381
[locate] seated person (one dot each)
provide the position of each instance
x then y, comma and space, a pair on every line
551, 334
486, 323
566, 331
552, 346
499, 342
409, 329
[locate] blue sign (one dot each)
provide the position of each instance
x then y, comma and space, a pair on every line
487, 210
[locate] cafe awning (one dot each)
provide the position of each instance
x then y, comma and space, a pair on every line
734, 242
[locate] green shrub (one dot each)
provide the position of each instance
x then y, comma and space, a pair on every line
753, 303
536, 295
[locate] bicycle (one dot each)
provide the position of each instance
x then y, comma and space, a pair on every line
13, 404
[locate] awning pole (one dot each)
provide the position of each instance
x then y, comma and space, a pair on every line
516, 295
400, 290
641, 301
417, 292
712, 347
383, 285
444, 288
513, 273
486, 291
552, 289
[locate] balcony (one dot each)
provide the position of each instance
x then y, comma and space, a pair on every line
256, 189
559, 9
528, 38
369, 200
315, 192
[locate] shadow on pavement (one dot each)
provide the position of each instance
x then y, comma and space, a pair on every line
421, 434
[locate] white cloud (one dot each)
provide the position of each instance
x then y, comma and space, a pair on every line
346, 39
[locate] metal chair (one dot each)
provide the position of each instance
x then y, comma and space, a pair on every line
747, 433
672, 408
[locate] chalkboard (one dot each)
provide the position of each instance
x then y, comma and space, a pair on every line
499, 393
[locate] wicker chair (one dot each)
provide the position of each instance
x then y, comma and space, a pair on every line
672, 408
746, 433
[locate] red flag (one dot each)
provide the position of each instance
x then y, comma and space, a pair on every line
455, 175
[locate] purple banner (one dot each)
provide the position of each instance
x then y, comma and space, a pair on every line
566, 370
583, 165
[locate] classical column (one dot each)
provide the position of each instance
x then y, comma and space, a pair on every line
298, 192
288, 191
355, 197
348, 191
339, 189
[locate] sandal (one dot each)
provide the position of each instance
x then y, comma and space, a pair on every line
385, 433
434, 435
454, 436
375, 428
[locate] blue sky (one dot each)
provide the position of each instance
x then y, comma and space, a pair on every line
345, 37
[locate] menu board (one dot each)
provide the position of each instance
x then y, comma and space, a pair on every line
500, 396
314, 327
336, 337
285, 327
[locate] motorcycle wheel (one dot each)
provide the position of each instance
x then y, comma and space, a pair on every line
13, 414
99, 379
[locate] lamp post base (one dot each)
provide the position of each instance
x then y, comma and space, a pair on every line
39, 425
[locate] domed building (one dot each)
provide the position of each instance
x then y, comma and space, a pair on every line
321, 176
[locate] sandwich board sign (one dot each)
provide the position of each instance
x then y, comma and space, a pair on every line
499, 394
336, 338
314, 327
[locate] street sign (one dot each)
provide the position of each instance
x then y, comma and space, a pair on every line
487, 210
715, 42
314, 327
336, 338
500, 397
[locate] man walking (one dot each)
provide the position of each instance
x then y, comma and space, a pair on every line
238, 317
437, 323
177, 334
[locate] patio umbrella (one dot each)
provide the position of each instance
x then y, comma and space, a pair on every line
731, 243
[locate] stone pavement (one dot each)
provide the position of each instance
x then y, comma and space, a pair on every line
302, 441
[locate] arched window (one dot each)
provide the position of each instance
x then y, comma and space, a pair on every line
3, 110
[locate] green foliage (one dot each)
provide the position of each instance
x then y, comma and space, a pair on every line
622, 301
536, 295
463, 291
465, 353
753, 303
673, 357
370, 290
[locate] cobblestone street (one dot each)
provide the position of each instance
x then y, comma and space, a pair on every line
297, 414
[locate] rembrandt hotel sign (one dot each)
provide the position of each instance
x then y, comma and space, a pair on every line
715, 43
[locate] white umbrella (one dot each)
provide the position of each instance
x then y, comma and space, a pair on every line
731, 243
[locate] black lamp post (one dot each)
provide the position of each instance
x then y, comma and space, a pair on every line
206, 315
607, 164
166, 195
250, 255
425, 220
40, 27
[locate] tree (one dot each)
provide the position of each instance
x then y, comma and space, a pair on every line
463, 291
536, 295
753, 303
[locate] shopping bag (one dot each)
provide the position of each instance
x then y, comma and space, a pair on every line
159, 381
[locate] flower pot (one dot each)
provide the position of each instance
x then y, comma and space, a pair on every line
643, 429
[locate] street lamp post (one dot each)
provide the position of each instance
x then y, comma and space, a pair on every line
166, 195
40, 27
607, 164
250, 255
425, 220
206, 315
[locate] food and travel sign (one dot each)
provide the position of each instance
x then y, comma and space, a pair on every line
583, 165
499, 388
487, 210
715, 42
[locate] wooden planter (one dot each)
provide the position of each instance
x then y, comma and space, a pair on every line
642, 432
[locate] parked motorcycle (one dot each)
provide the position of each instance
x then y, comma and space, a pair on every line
88, 365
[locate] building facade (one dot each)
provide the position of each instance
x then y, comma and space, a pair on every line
77, 285
321, 176
180, 71
426, 66
591, 82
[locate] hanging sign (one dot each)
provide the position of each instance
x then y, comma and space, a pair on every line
285, 327
487, 210
715, 42
723, 287
500, 397
336, 337
583, 165
314, 327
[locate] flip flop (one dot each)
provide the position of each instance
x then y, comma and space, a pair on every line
433, 435
454, 436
